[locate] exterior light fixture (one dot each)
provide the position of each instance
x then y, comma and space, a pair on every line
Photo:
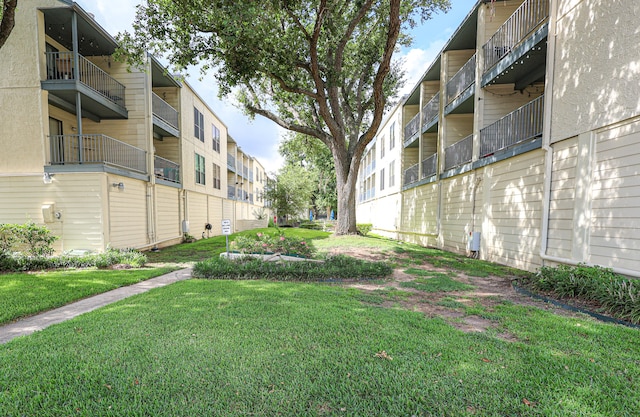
118, 185
47, 178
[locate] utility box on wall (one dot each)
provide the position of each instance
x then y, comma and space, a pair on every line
49, 213
474, 242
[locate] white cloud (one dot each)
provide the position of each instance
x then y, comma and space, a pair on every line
416, 61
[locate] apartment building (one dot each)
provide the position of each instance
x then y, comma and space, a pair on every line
379, 178
102, 154
521, 140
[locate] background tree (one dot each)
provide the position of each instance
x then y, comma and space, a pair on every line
316, 158
290, 192
7, 19
322, 68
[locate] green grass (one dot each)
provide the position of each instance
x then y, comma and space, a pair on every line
225, 348
23, 294
433, 281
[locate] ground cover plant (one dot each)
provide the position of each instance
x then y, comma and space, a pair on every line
337, 267
23, 294
211, 347
269, 242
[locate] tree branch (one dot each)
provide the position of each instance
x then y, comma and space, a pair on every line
8, 19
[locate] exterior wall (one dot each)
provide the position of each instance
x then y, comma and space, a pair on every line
512, 205
596, 75
419, 220
168, 216
127, 213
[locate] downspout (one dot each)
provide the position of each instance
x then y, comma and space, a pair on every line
546, 140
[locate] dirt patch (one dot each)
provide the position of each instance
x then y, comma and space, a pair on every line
452, 306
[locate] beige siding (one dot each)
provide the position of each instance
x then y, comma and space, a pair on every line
614, 235
167, 213
457, 211
500, 100
196, 213
78, 197
562, 202
457, 127
419, 210
215, 215
512, 194
455, 60
127, 213
597, 71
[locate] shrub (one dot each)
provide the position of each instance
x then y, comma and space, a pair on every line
617, 295
29, 238
364, 228
337, 267
263, 243
24, 262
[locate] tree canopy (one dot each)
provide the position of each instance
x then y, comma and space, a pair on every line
322, 68
290, 192
7, 19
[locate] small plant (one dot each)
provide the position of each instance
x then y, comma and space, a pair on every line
28, 238
263, 243
187, 238
364, 228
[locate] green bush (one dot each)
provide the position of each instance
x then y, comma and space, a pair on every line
24, 262
364, 228
28, 238
267, 243
336, 267
617, 295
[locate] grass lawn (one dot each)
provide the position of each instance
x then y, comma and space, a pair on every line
23, 294
225, 348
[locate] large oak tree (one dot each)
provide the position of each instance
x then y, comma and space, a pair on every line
7, 19
322, 68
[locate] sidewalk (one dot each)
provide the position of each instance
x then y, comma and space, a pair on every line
40, 321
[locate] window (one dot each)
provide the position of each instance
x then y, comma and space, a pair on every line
382, 179
382, 139
392, 136
392, 173
198, 123
216, 138
216, 176
200, 177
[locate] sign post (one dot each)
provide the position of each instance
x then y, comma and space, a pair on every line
226, 231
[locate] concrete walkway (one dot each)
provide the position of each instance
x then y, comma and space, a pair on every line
40, 321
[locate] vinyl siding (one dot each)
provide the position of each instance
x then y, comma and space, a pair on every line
127, 213
457, 208
167, 213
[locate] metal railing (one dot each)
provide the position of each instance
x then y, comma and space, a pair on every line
96, 149
459, 153
431, 109
410, 174
526, 18
166, 170
429, 166
370, 169
231, 192
518, 126
164, 110
462, 79
231, 162
61, 66
412, 127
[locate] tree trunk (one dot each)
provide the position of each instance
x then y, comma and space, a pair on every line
346, 187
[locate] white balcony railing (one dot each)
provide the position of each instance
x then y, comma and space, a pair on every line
412, 127
429, 166
166, 170
430, 110
518, 126
164, 110
524, 20
61, 66
459, 153
410, 174
462, 79
96, 149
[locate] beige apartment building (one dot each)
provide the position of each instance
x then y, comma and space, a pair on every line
521, 142
106, 156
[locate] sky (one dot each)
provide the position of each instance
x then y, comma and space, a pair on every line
260, 137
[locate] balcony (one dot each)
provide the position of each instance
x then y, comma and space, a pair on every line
519, 126
165, 117
430, 112
411, 128
429, 166
97, 150
458, 88
166, 170
102, 96
459, 153
231, 162
231, 192
410, 174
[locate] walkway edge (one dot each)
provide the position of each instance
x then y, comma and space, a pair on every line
41, 321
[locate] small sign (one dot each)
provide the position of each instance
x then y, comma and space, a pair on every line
226, 227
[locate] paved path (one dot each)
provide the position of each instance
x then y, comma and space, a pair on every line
40, 321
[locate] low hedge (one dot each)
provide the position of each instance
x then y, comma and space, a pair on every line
617, 295
15, 262
336, 267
